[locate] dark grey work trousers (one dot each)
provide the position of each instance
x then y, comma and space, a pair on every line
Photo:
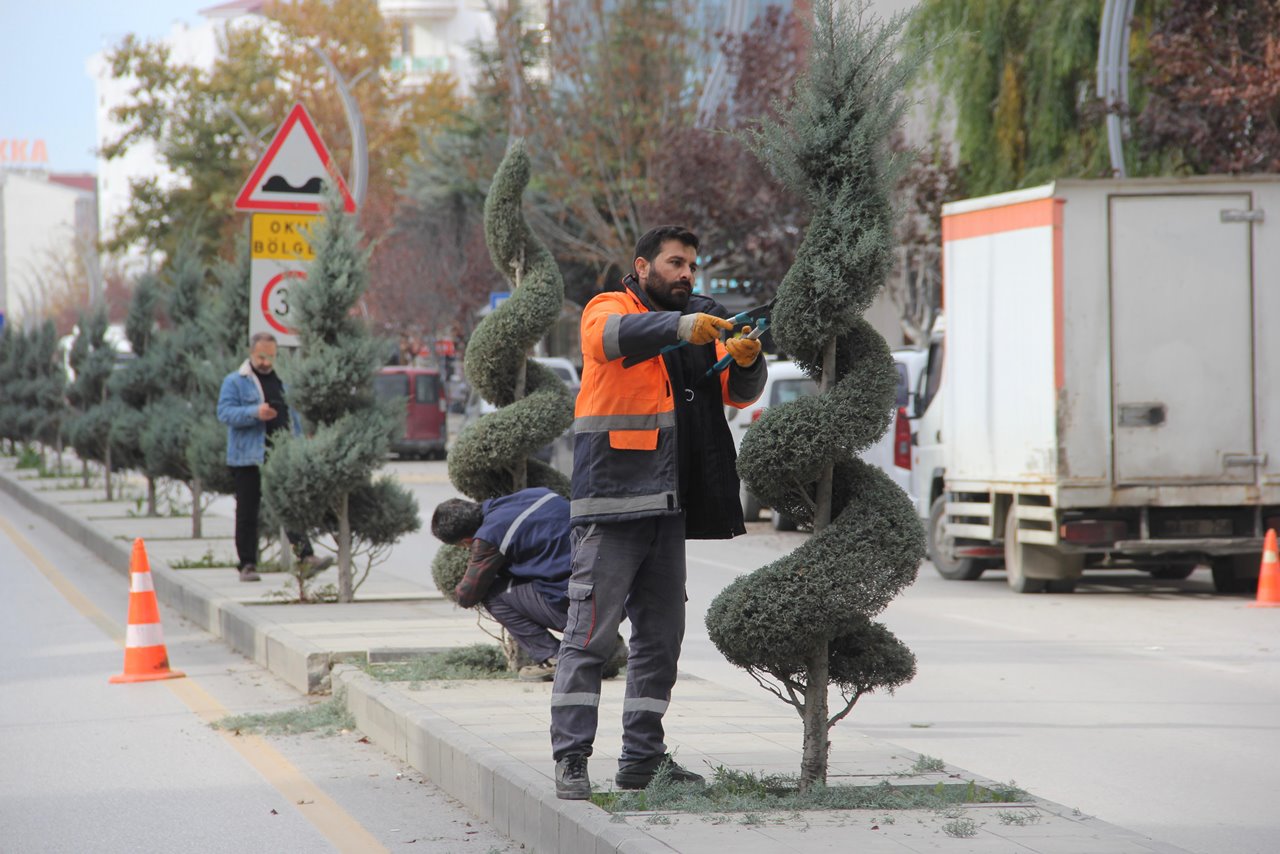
248, 484
636, 568
527, 615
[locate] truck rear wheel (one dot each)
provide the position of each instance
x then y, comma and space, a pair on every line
942, 548
1235, 573
1033, 568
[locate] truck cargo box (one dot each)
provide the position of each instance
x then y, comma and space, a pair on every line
1108, 349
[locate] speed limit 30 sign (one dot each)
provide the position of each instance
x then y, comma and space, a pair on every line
280, 254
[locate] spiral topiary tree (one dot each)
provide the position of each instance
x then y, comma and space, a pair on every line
803, 623
493, 456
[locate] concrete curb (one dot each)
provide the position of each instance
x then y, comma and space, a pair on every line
517, 800
303, 665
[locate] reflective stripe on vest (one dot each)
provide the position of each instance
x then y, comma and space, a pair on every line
604, 423
580, 507
515, 526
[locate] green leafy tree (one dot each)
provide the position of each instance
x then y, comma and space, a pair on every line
803, 623
1021, 77
324, 483
92, 358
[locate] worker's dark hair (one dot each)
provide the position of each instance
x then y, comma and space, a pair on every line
650, 243
455, 520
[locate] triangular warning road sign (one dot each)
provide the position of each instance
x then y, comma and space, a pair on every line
291, 176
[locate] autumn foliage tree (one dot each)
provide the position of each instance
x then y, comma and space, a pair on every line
1214, 86
197, 117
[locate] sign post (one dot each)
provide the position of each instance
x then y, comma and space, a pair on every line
285, 195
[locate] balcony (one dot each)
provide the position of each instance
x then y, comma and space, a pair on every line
420, 64
418, 8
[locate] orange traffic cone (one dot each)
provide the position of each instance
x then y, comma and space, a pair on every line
145, 657
1269, 575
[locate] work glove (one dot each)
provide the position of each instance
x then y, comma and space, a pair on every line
744, 350
701, 328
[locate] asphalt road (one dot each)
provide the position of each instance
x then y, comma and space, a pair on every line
90, 766
1152, 705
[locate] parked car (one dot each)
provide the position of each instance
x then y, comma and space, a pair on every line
425, 431
558, 453
787, 382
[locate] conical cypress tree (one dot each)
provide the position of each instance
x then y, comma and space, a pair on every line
45, 396
188, 390
135, 386
324, 483
224, 321
804, 621
92, 359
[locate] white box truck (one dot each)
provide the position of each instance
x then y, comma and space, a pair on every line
1110, 394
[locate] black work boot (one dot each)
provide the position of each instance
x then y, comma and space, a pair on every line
638, 775
572, 783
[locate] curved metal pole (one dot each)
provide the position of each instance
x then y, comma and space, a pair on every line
359, 177
1113, 75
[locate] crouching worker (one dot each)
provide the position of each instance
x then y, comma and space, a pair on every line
518, 569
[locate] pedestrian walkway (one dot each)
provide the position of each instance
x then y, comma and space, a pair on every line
486, 742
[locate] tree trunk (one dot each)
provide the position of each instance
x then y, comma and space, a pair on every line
813, 763
344, 551
520, 471
817, 744
822, 512
107, 471
286, 551
197, 518
151, 497
84, 473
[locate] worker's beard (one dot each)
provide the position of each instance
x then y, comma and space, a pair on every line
669, 294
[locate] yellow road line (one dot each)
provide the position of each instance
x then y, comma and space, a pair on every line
335, 823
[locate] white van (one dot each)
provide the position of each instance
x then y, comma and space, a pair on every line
786, 382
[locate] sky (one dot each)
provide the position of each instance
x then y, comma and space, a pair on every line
45, 91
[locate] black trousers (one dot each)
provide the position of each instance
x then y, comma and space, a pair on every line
248, 482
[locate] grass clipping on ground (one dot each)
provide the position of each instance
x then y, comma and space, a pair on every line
478, 661
327, 718
732, 791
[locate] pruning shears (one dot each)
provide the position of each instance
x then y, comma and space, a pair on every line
761, 326
751, 317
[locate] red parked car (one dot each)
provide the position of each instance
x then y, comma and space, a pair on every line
423, 390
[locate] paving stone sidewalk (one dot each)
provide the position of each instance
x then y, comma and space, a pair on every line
486, 742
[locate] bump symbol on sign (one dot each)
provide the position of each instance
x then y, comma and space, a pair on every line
276, 301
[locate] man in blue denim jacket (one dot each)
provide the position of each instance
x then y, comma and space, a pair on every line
253, 407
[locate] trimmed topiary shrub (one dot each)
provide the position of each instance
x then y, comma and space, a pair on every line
804, 622
492, 457
324, 484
